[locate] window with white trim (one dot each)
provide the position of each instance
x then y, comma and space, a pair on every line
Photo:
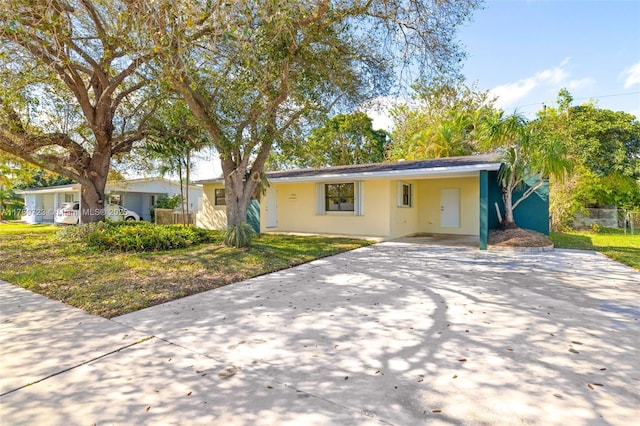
405, 194
220, 199
339, 197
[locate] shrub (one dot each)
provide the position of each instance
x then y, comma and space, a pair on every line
239, 235
79, 233
143, 236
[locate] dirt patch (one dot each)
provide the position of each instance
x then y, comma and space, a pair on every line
518, 238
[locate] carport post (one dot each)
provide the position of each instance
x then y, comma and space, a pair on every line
484, 209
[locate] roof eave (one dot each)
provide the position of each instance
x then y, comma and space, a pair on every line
434, 172
50, 189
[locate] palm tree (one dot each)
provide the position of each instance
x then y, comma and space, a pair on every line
526, 156
449, 137
175, 138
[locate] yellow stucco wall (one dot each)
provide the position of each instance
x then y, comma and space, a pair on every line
404, 220
429, 193
209, 215
296, 211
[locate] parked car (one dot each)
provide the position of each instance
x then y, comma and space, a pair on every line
69, 214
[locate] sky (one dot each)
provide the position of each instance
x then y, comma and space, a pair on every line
525, 51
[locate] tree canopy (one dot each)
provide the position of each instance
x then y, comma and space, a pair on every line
71, 87
441, 120
254, 73
342, 140
604, 146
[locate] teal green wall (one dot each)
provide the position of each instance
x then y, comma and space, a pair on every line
484, 209
253, 215
532, 213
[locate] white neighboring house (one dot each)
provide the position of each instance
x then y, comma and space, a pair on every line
139, 195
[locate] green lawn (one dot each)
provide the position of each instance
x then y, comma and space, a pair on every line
114, 283
612, 243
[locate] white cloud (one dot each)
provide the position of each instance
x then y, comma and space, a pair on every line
632, 75
549, 80
581, 83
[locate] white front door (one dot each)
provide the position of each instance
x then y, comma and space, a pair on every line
450, 208
271, 207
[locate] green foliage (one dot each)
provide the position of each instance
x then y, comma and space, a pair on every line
343, 140
165, 202
10, 204
80, 233
139, 236
442, 122
605, 141
604, 146
72, 87
168, 202
527, 156
18, 174
239, 236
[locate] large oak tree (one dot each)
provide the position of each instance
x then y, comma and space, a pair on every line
253, 72
71, 93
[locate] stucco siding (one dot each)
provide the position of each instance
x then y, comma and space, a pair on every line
404, 219
209, 215
297, 211
429, 194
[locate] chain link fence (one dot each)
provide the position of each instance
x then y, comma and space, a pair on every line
631, 222
627, 220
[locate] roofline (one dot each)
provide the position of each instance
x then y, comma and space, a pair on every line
447, 171
399, 174
151, 179
77, 186
50, 189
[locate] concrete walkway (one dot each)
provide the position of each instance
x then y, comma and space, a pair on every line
401, 332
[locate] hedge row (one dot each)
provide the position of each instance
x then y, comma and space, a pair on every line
136, 236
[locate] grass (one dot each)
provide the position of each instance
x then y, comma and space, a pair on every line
114, 283
610, 242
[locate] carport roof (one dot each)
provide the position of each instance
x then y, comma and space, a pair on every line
50, 189
450, 166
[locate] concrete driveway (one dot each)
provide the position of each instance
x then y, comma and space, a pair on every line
399, 333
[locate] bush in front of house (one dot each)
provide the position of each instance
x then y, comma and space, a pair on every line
79, 233
144, 236
239, 236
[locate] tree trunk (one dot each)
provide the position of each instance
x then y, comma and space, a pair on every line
93, 205
181, 193
508, 222
94, 180
238, 192
188, 177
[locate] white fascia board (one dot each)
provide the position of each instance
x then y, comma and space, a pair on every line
457, 171
51, 190
209, 181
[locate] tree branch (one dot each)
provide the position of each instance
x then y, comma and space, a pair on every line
528, 192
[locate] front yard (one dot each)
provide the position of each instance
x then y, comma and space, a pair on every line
624, 248
114, 283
